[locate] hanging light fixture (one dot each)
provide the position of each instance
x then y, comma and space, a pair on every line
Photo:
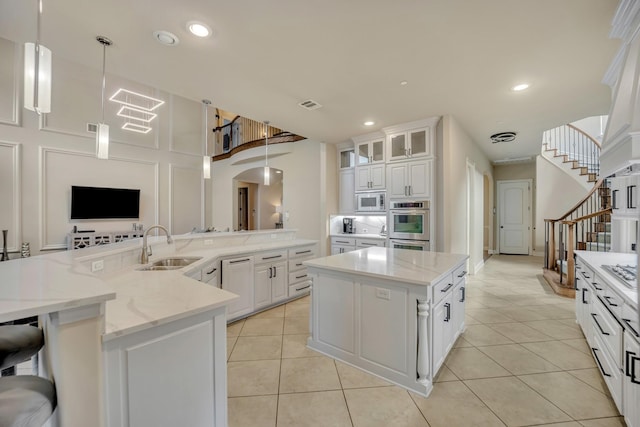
102, 134
37, 73
206, 160
267, 172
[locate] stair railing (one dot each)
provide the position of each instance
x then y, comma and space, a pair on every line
589, 218
576, 145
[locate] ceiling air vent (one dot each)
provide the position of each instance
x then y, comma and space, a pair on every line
310, 104
92, 127
502, 137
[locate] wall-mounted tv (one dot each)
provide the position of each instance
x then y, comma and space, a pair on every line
104, 203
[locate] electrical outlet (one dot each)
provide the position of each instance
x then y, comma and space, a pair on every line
383, 293
633, 246
208, 242
97, 266
365, 230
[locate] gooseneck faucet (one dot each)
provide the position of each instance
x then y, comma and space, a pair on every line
146, 250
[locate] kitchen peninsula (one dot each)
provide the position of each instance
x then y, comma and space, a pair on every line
394, 313
125, 338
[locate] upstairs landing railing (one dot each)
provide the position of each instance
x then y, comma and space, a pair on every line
576, 145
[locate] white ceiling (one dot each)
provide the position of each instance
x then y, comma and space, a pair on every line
459, 57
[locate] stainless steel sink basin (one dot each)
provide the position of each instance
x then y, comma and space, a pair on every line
169, 264
175, 262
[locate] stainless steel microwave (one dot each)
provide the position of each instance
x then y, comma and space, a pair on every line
370, 202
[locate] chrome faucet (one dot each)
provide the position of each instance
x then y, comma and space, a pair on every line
146, 250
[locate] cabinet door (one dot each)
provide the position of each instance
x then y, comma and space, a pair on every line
631, 387
397, 180
347, 158
457, 310
237, 277
419, 177
419, 143
377, 151
279, 282
631, 193
262, 292
618, 195
398, 146
441, 331
363, 178
347, 187
377, 176
363, 154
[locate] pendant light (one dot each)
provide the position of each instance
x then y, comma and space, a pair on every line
37, 73
267, 172
102, 134
206, 160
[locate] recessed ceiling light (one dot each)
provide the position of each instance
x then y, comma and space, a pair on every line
369, 123
198, 29
166, 38
522, 86
403, 83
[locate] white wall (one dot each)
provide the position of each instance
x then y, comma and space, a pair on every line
44, 156
555, 194
455, 148
308, 191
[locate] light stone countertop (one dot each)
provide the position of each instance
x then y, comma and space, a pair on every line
597, 259
400, 265
135, 300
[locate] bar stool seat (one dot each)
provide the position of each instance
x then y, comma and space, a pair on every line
26, 401
18, 343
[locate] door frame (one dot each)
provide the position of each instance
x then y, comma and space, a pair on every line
529, 216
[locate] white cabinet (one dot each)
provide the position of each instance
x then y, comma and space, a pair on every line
210, 273
410, 179
346, 158
340, 245
370, 177
442, 330
584, 294
299, 281
624, 196
362, 243
631, 380
347, 191
369, 152
270, 278
237, 277
408, 144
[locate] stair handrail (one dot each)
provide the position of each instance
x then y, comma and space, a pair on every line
575, 207
595, 141
572, 223
577, 145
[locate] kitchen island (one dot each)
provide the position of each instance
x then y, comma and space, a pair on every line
393, 313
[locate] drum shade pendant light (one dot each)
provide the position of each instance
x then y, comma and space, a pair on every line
102, 134
37, 73
206, 160
267, 172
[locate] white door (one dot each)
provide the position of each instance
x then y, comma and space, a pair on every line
514, 216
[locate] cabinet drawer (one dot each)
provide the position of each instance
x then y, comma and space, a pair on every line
344, 241
274, 256
583, 270
296, 264
610, 372
442, 288
303, 251
459, 274
612, 301
366, 243
629, 319
607, 329
298, 276
299, 288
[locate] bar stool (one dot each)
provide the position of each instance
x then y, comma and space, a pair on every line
25, 400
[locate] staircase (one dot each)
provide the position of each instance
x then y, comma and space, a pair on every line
587, 225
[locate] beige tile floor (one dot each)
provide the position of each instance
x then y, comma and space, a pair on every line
522, 361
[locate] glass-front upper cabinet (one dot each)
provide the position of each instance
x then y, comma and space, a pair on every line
370, 152
347, 158
414, 143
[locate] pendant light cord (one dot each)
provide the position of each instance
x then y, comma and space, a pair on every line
266, 143
36, 77
104, 79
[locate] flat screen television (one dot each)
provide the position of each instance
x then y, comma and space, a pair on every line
104, 203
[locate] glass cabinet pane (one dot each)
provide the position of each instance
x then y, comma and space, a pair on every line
397, 146
363, 154
378, 151
418, 143
347, 159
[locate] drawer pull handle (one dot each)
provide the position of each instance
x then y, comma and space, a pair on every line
595, 285
464, 294
368, 244
612, 304
630, 365
300, 277
628, 322
272, 257
212, 271
462, 274
446, 288
585, 275
447, 316
337, 241
598, 324
598, 360
298, 264
304, 252
584, 290
237, 261
303, 288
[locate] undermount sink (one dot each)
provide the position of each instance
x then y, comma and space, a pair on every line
170, 264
